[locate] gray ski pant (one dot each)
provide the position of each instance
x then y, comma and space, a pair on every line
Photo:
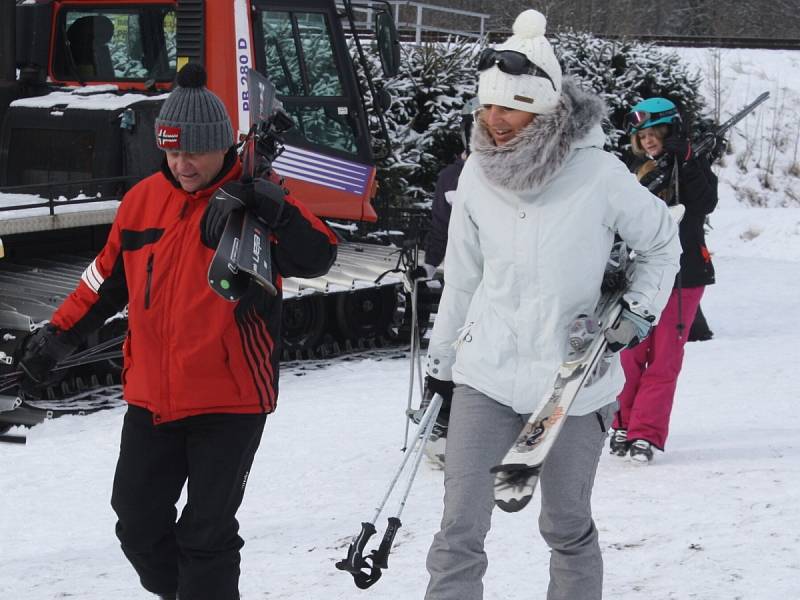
481, 431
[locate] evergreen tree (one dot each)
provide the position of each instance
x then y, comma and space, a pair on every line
437, 79
624, 73
434, 83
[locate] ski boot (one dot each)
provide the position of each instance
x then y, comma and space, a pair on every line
619, 443
641, 452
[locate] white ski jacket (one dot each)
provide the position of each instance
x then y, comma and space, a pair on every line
532, 228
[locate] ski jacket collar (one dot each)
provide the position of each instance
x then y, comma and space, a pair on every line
539, 150
227, 165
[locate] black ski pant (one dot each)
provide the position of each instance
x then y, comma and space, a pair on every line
197, 555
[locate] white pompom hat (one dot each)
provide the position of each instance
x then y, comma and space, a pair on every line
530, 93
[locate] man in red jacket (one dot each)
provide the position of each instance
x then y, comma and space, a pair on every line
200, 373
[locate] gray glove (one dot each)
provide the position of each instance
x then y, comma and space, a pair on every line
630, 329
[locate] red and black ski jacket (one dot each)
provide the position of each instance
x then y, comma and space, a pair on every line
189, 351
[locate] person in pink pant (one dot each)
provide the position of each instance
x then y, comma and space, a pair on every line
652, 368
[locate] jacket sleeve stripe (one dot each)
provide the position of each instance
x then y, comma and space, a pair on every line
258, 383
92, 277
101, 292
264, 347
258, 353
262, 333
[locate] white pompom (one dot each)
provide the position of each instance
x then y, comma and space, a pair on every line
530, 24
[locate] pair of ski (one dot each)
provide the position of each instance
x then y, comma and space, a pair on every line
517, 476
244, 252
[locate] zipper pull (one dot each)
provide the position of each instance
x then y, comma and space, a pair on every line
463, 335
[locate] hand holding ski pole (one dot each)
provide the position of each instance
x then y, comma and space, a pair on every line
435, 386
42, 352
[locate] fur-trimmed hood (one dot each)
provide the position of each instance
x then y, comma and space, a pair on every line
540, 149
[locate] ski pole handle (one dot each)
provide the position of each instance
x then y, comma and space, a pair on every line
380, 558
355, 553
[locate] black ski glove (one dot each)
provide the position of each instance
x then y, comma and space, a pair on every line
445, 390
219, 208
269, 200
441, 387
42, 351
631, 328
264, 198
679, 147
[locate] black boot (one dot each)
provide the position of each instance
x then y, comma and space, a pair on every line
642, 452
619, 442
699, 331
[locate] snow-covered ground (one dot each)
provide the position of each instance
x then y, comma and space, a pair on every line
714, 517
764, 169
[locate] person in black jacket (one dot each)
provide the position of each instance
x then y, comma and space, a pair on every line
447, 182
652, 367
435, 245
436, 240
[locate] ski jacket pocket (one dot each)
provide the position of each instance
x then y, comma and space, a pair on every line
149, 281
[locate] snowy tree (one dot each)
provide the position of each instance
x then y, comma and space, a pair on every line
435, 81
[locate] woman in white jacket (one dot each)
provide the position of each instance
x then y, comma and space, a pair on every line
535, 215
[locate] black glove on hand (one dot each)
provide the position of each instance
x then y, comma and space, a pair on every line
445, 390
41, 352
631, 328
679, 147
268, 202
264, 198
219, 208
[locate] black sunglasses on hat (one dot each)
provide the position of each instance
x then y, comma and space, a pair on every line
511, 62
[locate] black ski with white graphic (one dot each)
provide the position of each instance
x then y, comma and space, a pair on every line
516, 477
224, 275
244, 251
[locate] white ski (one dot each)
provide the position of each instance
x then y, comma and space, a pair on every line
516, 477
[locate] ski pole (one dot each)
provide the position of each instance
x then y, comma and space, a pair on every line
412, 358
367, 570
412, 286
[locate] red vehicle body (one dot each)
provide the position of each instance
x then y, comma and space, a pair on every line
81, 82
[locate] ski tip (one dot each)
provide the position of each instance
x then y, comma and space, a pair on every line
513, 504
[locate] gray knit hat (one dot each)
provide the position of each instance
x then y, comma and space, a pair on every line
193, 118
